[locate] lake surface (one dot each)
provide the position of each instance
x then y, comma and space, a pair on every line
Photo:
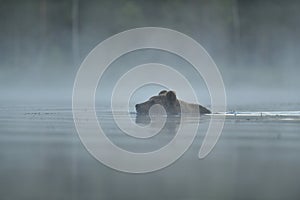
256, 157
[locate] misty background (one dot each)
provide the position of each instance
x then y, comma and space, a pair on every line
254, 43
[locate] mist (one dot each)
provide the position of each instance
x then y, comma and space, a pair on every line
255, 45
51, 150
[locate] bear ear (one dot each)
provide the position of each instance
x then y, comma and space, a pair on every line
163, 92
171, 96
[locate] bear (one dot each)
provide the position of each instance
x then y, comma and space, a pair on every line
171, 104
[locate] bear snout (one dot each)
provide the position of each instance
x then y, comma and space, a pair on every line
137, 107
140, 108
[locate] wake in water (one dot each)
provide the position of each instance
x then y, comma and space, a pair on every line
263, 115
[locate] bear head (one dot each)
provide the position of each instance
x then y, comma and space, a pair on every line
167, 99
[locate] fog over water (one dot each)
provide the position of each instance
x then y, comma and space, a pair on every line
255, 44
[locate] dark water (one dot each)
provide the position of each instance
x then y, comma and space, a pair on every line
41, 157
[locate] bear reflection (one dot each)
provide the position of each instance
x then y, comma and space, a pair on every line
170, 127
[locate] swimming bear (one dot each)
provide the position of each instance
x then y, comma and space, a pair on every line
171, 104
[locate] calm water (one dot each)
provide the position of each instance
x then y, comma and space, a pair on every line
41, 157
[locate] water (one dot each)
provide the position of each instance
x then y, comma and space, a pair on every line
41, 157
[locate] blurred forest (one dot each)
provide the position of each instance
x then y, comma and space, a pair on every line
46, 40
